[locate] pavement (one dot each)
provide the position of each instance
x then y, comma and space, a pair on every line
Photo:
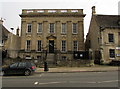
79, 69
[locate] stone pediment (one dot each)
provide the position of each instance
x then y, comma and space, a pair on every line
51, 37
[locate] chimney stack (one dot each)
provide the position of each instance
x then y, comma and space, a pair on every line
1, 21
93, 10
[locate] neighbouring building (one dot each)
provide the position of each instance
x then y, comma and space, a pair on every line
9, 42
3, 36
103, 38
58, 32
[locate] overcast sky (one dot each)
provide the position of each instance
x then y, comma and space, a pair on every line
10, 9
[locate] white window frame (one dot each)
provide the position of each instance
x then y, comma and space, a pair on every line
65, 30
73, 28
64, 47
75, 46
40, 28
27, 28
53, 29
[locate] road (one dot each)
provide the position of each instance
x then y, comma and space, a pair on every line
80, 79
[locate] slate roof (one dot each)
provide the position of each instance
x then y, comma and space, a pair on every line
108, 20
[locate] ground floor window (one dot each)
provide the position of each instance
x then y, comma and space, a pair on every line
63, 45
112, 53
38, 57
64, 57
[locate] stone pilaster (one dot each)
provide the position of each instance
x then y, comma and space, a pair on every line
80, 36
23, 34
34, 35
69, 36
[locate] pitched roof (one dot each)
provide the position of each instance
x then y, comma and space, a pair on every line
108, 20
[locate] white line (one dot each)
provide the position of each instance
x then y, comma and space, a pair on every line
36, 83
49, 83
108, 81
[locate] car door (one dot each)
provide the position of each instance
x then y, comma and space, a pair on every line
13, 68
21, 67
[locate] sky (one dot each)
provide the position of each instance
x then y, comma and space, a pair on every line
10, 9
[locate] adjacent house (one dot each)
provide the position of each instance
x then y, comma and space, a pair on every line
3, 36
9, 42
103, 38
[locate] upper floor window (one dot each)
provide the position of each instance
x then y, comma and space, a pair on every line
63, 45
112, 53
74, 28
28, 44
75, 45
39, 28
63, 28
39, 45
111, 37
52, 27
29, 27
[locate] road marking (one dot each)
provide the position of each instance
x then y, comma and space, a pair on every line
108, 81
49, 83
36, 83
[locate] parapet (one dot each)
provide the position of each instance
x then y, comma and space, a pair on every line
31, 12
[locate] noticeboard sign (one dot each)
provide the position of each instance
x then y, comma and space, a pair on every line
81, 55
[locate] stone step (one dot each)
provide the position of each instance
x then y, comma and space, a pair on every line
50, 57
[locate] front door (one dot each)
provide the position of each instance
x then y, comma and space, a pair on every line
51, 46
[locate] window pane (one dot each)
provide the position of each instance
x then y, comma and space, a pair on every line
75, 45
112, 53
51, 27
28, 43
111, 37
74, 27
63, 45
39, 27
22, 64
64, 28
14, 65
39, 45
29, 27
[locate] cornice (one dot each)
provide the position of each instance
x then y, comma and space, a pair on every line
53, 15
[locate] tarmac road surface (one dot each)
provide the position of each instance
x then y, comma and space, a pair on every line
78, 79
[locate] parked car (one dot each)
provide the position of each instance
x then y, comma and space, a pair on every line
26, 68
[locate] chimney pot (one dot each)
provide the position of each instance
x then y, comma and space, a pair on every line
93, 10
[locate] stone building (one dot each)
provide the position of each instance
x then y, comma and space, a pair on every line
58, 32
3, 36
9, 42
103, 37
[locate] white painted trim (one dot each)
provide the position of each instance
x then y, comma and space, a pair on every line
65, 28
76, 28
27, 28
38, 27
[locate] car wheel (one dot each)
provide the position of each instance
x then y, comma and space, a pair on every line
27, 72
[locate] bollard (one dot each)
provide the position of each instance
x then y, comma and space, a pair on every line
45, 66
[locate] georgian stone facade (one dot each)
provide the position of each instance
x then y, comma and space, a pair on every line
57, 31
